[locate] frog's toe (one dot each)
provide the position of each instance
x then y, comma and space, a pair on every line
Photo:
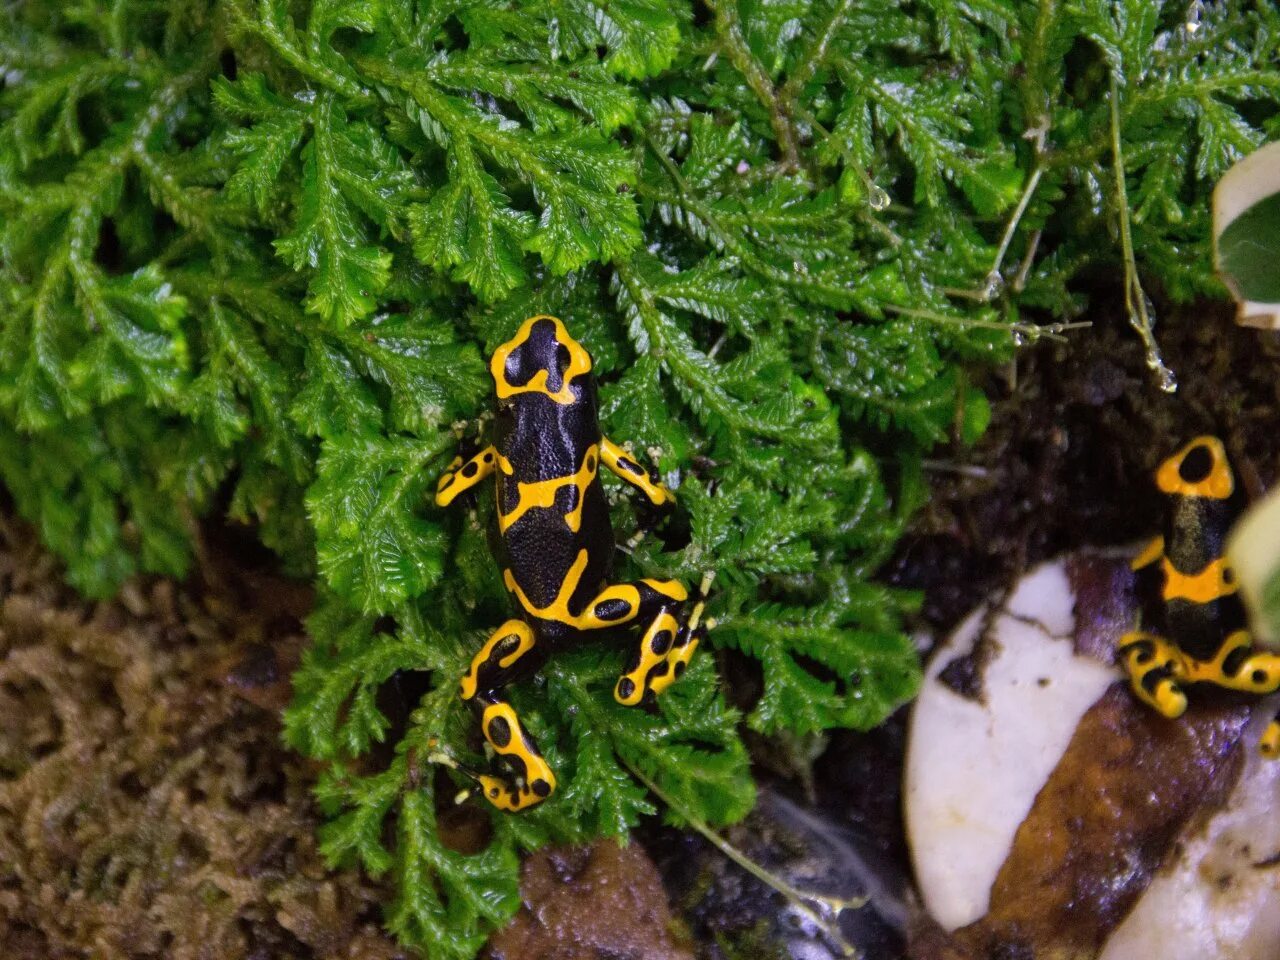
506, 796
1269, 744
627, 692
1158, 688
677, 660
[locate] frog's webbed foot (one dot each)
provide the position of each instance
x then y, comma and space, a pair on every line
1155, 669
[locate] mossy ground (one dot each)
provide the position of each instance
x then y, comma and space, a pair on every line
147, 806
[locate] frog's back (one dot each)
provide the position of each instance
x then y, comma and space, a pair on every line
1192, 593
553, 534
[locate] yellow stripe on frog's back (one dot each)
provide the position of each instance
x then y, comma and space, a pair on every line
1212, 583
542, 493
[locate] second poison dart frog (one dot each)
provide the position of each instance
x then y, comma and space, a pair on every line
1194, 623
555, 545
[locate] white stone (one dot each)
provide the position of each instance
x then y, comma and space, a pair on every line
973, 769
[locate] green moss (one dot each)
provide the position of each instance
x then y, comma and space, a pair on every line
253, 253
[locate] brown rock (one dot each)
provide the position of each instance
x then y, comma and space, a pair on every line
599, 902
1105, 821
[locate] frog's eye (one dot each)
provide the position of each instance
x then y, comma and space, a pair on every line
1196, 465
1200, 469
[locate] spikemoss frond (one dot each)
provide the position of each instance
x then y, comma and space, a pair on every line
253, 255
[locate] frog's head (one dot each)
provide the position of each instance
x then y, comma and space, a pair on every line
1200, 469
540, 358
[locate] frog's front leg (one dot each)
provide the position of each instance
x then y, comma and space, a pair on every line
509, 654
460, 477
623, 465
1156, 669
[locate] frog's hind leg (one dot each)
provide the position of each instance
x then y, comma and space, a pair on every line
687, 639
1238, 667
506, 734
509, 654
1156, 669
665, 649
505, 657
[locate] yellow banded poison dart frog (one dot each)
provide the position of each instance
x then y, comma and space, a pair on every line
1196, 623
554, 542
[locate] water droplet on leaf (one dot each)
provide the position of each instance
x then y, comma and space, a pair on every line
1144, 321
1195, 12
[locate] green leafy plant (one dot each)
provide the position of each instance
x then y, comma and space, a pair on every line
253, 253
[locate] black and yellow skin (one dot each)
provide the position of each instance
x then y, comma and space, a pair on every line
1195, 623
554, 541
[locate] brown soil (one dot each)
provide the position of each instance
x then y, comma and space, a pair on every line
588, 903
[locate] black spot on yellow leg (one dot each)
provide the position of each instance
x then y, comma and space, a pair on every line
688, 639
449, 474
679, 657
493, 665
1155, 669
665, 651
534, 780
460, 477
621, 463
